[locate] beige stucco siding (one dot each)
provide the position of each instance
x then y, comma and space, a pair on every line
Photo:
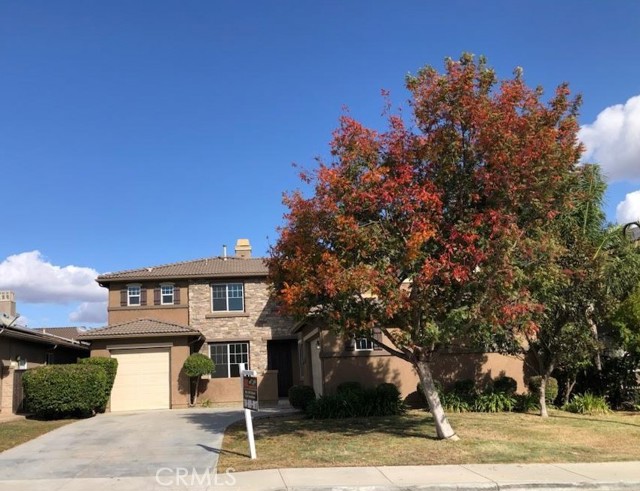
177, 314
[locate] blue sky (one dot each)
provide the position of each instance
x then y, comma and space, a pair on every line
141, 133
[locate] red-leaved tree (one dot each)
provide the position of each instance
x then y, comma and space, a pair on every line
424, 232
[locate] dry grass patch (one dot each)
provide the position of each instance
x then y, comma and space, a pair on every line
13, 433
293, 441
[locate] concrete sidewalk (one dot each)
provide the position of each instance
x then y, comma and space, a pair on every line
601, 476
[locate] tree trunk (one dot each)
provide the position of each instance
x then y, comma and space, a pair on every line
195, 391
443, 428
543, 396
568, 388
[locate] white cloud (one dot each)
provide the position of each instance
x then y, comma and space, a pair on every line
35, 280
91, 312
613, 141
629, 209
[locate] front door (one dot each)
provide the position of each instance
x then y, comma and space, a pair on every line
280, 357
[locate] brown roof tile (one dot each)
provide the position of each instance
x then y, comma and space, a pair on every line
137, 328
61, 332
207, 267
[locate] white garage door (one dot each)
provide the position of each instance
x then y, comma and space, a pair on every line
142, 380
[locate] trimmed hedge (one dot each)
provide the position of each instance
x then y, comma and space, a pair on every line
197, 365
505, 385
59, 391
110, 366
551, 390
300, 396
381, 401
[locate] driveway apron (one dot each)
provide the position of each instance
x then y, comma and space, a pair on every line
123, 445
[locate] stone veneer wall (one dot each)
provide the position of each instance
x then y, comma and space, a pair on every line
257, 324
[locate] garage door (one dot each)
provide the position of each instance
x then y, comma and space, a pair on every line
142, 380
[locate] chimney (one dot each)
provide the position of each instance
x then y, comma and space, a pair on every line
243, 248
7, 303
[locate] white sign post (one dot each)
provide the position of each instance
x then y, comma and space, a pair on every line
249, 379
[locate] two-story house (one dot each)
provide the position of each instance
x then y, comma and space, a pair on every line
218, 306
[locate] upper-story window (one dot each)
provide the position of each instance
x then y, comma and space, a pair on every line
166, 294
227, 297
133, 294
364, 344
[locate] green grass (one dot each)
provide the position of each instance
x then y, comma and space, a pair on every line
13, 433
410, 439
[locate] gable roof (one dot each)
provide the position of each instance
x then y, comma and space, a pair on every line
140, 328
27, 334
199, 268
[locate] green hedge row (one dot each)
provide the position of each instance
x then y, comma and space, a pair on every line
61, 391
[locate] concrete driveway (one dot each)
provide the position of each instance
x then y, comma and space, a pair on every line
122, 445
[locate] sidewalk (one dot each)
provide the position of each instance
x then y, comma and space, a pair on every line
473, 477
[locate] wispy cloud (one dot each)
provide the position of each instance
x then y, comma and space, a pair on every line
36, 280
90, 312
613, 141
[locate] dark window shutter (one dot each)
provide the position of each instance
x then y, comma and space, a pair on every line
377, 336
176, 295
143, 296
156, 296
123, 297
350, 344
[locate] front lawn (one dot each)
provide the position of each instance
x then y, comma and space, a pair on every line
292, 441
14, 433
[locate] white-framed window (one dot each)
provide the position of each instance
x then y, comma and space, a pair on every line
22, 363
227, 297
166, 294
363, 344
227, 356
133, 294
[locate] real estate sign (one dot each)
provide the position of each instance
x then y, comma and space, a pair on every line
250, 390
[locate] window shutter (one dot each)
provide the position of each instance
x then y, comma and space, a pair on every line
377, 336
156, 296
350, 344
123, 297
143, 296
176, 295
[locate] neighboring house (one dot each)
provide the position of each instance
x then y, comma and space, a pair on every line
220, 306
22, 348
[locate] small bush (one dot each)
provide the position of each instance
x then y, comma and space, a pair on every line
551, 391
110, 367
60, 391
587, 403
464, 387
300, 396
526, 402
506, 385
454, 403
494, 402
348, 387
381, 401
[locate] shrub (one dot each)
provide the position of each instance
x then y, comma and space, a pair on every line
348, 387
587, 403
551, 391
464, 387
381, 401
59, 391
300, 396
526, 402
505, 384
110, 367
494, 402
454, 403
195, 366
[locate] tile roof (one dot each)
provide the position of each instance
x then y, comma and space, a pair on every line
61, 332
207, 267
137, 328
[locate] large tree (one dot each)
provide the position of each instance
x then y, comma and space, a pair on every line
423, 232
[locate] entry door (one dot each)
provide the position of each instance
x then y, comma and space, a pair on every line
279, 357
